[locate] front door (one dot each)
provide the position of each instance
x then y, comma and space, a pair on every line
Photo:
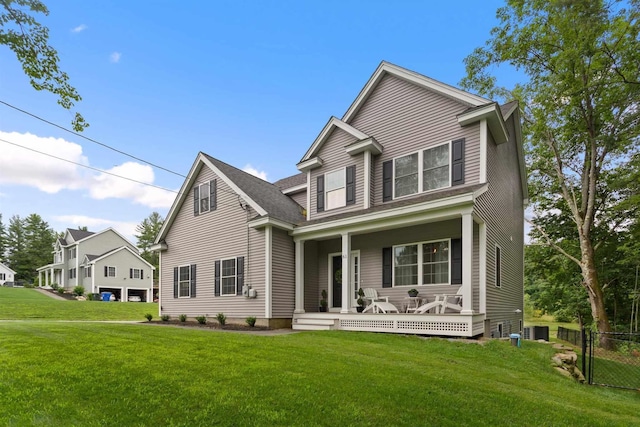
336, 280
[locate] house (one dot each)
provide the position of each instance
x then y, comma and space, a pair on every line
6, 274
419, 185
100, 262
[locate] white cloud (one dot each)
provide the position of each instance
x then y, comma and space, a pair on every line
255, 172
79, 28
115, 57
51, 175
127, 229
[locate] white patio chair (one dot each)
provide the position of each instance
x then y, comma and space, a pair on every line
443, 302
371, 295
384, 307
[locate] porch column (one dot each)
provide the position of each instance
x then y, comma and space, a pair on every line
39, 278
299, 257
467, 263
346, 272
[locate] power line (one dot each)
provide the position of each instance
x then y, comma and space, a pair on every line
88, 167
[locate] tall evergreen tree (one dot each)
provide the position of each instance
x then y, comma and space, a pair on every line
17, 257
3, 240
39, 242
147, 231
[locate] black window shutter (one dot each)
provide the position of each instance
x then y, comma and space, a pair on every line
240, 273
106, 271
457, 162
456, 261
216, 286
141, 274
387, 181
193, 281
131, 273
351, 185
175, 282
196, 201
320, 200
213, 191
387, 259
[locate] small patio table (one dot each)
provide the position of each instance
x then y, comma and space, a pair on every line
411, 304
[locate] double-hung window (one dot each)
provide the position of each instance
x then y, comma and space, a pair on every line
184, 281
3, 276
204, 190
229, 276
109, 271
87, 271
425, 263
72, 253
425, 170
335, 189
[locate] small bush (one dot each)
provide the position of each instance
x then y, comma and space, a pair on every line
89, 297
165, 317
202, 319
222, 319
182, 318
148, 316
29, 285
251, 321
78, 290
60, 290
54, 286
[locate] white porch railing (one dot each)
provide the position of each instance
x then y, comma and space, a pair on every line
454, 325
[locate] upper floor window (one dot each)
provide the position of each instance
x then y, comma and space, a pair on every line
335, 189
73, 253
422, 171
136, 273
109, 271
204, 197
87, 271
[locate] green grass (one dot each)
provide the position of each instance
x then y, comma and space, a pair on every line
546, 320
92, 374
25, 304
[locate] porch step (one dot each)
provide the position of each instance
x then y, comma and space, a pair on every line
305, 327
328, 322
313, 324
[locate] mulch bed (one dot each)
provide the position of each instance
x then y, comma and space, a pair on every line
66, 295
211, 324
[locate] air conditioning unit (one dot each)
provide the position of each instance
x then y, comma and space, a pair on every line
527, 333
536, 333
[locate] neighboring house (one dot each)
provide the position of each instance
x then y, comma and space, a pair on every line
419, 185
100, 262
6, 274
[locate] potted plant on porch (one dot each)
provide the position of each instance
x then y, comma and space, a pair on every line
361, 303
323, 301
413, 292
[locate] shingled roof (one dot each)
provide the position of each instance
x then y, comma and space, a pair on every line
79, 234
265, 194
291, 181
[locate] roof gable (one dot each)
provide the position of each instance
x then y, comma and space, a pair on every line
93, 258
77, 235
326, 132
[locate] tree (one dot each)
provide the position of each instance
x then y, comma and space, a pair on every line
147, 231
29, 40
39, 238
580, 104
16, 248
3, 240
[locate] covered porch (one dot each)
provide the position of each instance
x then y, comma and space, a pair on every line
50, 274
440, 251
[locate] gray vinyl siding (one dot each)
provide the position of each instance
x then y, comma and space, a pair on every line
99, 244
282, 275
123, 260
202, 240
300, 198
335, 157
311, 289
501, 206
370, 247
405, 118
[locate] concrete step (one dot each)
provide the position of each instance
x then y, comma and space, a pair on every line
306, 327
303, 321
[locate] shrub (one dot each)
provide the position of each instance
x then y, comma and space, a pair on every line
60, 290
165, 317
202, 319
251, 321
54, 286
183, 318
29, 285
89, 297
222, 319
148, 316
78, 290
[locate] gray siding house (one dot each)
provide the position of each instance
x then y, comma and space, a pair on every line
419, 185
100, 262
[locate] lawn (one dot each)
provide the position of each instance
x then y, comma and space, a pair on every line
125, 374
546, 320
23, 303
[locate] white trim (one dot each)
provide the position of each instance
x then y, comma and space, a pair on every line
108, 254
492, 114
299, 276
510, 111
330, 280
326, 130
268, 272
482, 265
267, 220
483, 150
467, 264
295, 189
160, 285
159, 247
420, 153
497, 272
521, 160
189, 269
366, 198
93, 281
430, 211
412, 77
235, 276
346, 273
355, 254
310, 164
136, 289
420, 263
308, 195
369, 145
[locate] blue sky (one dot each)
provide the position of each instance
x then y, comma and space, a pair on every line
251, 83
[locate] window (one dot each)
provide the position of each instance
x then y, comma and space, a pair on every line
87, 271
409, 178
136, 273
184, 281
498, 267
335, 189
3, 276
109, 271
204, 197
72, 273
500, 328
228, 277
72, 253
425, 263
